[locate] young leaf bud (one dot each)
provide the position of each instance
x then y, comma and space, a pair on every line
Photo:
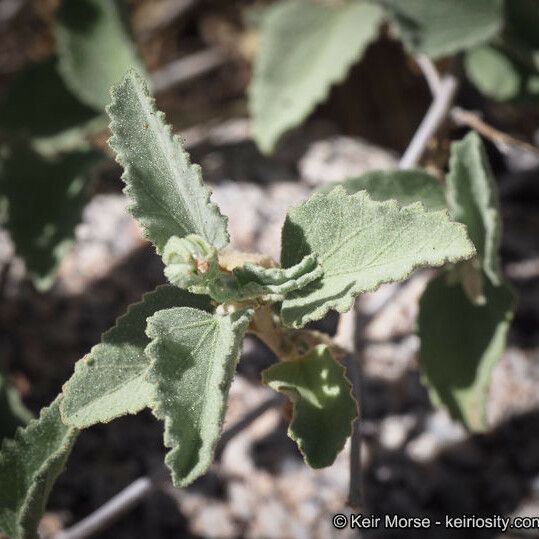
190, 263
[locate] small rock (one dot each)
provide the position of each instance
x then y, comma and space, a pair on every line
338, 158
394, 429
256, 214
513, 389
214, 520
440, 431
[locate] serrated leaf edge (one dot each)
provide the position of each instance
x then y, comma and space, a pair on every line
170, 441
11, 445
134, 208
292, 394
319, 97
78, 364
338, 191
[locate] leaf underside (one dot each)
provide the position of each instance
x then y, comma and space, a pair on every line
94, 47
169, 198
45, 199
360, 244
443, 27
193, 357
324, 408
404, 186
273, 284
473, 199
460, 345
110, 381
305, 48
29, 466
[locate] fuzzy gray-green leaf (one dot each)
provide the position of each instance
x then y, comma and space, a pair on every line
323, 405
29, 466
95, 48
256, 281
169, 198
110, 381
193, 357
360, 244
305, 47
442, 27
44, 198
473, 200
192, 264
493, 73
404, 186
460, 345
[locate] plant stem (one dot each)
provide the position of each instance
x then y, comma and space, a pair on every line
435, 116
110, 511
471, 119
186, 68
288, 343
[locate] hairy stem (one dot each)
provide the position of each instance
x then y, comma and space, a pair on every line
288, 344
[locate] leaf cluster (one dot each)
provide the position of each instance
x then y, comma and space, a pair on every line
307, 46
465, 312
176, 351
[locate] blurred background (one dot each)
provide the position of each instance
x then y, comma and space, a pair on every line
417, 461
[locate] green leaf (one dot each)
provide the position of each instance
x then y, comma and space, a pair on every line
460, 345
193, 357
169, 196
305, 48
508, 69
94, 47
493, 73
45, 198
110, 381
13, 413
324, 408
404, 186
29, 466
360, 244
473, 200
56, 109
192, 264
256, 281
443, 27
